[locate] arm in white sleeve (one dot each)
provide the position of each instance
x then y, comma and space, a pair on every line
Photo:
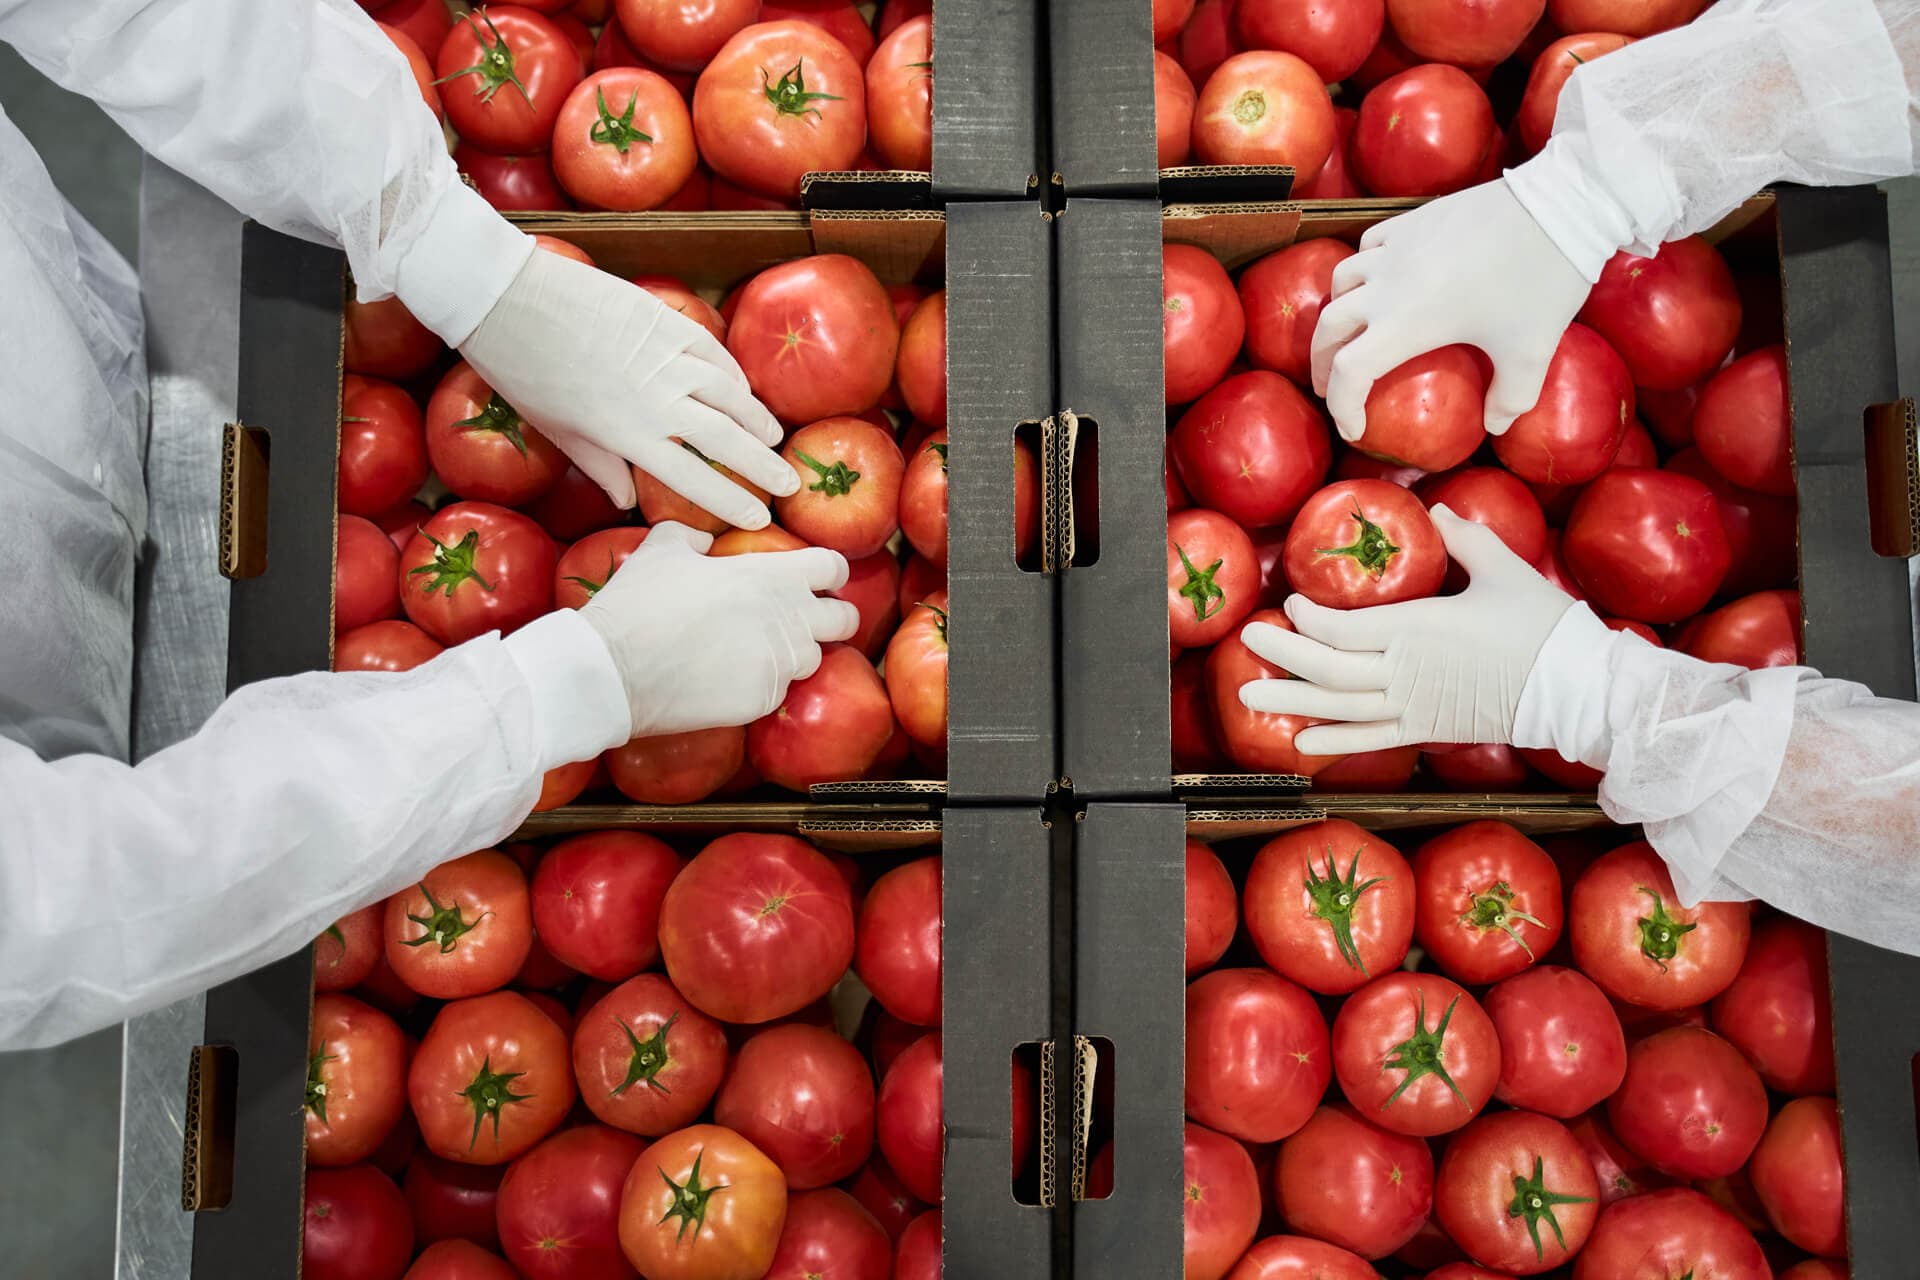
299, 113
302, 799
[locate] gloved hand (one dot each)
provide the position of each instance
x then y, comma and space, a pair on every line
702, 643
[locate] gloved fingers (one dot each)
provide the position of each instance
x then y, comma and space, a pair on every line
723, 440
806, 660
1376, 235
602, 466
1362, 631
1518, 377
1341, 321
700, 484
1350, 273
1351, 376
1478, 549
671, 533
832, 620
725, 388
1299, 698
820, 568
1309, 659
1349, 739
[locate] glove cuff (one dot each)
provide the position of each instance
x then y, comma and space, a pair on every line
460, 264
580, 703
1564, 702
1584, 222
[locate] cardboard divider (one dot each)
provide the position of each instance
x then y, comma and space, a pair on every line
989, 113
1893, 477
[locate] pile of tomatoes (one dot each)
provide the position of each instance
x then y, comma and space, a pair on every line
1498, 1058
1696, 551
656, 104
523, 532
605, 1056
1420, 88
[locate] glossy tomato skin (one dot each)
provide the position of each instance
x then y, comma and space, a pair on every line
1575, 430
1633, 17
1760, 630
916, 1255
1632, 936
383, 340
596, 901
512, 183
760, 115
474, 568
675, 1223
1359, 543
829, 1235
589, 564
1254, 740
1258, 1057
624, 140
1562, 1050
1429, 412
1779, 1009
1201, 321
916, 672
1466, 35
1490, 766
481, 448
831, 728
1330, 906
900, 97
366, 586
463, 929
1424, 132
1741, 423
682, 37
1667, 1233
908, 1122
805, 1098
816, 337
646, 1060
1690, 1105
677, 768
356, 1080
1673, 316
897, 945
1489, 901
503, 76
559, 1205
1539, 104
1516, 1192
920, 369
1301, 1258
1333, 39
1353, 1184
882, 1194
1415, 1053
1264, 107
1282, 295
1212, 577
1647, 544
923, 499
1761, 530
383, 450
1797, 1174
1254, 448
1212, 908
459, 1260
345, 954
1494, 498
490, 1079
1221, 1193
1173, 102
452, 1201
1371, 772
356, 1227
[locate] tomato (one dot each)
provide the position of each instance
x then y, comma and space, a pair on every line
1489, 902
504, 74
805, 1097
1221, 1195
897, 948
647, 1061
1196, 746
849, 497
658, 504
400, 523
463, 930
1631, 17
1173, 100
681, 36
596, 901
1201, 318
1264, 108
560, 1205
899, 83
1330, 906
1647, 544
1466, 35
1673, 316
1354, 465
356, 1226
1798, 1176
425, 22
1212, 908
677, 768
1632, 936
1336, 180
1358, 543
675, 1224
916, 1255
1562, 1050
1301, 1258
1619, 1172
1333, 39
624, 140
490, 1079
1779, 1009
1415, 1053
1387, 770
780, 100
1558, 61
512, 183
1761, 529
1489, 766
1668, 1233
1816, 1269
816, 337
840, 19
476, 568
881, 1193
383, 453
1517, 1192
459, 1260
923, 499
1743, 423
1208, 39
831, 727
1168, 17
575, 507
1760, 630
908, 1120
1212, 577
829, 1236
1494, 498
1258, 1058
1423, 132
366, 587
345, 954
920, 578
1429, 412
1352, 1184
356, 1080
920, 369
1255, 740
1575, 430
383, 340
452, 1201
1254, 448
1690, 1105
1282, 295
686, 302
589, 564
481, 448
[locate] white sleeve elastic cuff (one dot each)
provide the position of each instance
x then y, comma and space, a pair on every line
461, 264
1564, 703
579, 701
1581, 218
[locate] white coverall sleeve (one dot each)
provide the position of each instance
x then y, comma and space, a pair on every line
299, 113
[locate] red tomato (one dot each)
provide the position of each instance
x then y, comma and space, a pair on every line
1254, 448
1620, 1172
1336, 180
476, 568
1669, 1233
624, 140
1798, 1176
1632, 936
1330, 906
1208, 39
1415, 1053
452, 1201
1222, 1197
921, 367
1630, 17
677, 768
1212, 577
401, 522
1168, 17
512, 183
908, 1118
504, 73
1488, 904
840, 19
1345, 1181
1671, 412
1282, 295
647, 1061
882, 1194
1302, 1258
1760, 630
828, 1235
1761, 530
356, 1080
659, 504
1494, 498
1558, 61
674, 1225
780, 100
1196, 746
426, 22
1673, 316
1743, 423
1561, 1047
384, 340
1575, 430
1173, 99
1490, 766
920, 578
560, 1205
897, 947
1212, 909
1264, 108
1333, 39
356, 1227
1468, 35
366, 587
1779, 1009
831, 728
686, 302
1258, 1058
1385, 771
679, 36
575, 507
596, 901
899, 83
1690, 1105
805, 1097
1354, 465
916, 1255
1429, 412
589, 564
383, 453
1517, 1192
490, 1079
463, 930
459, 1260
1201, 321
1647, 544
345, 954
1636, 448
1254, 740
923, 499
1423, 132
482, 448
756, 927
1358, 543
849, 498
816, 337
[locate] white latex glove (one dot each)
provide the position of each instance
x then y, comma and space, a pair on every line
1445, 669
704, 642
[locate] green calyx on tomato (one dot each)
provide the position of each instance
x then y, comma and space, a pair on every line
1371, 549
444, 925
834, 480
1420, 1053
592, 588
317, 1084
498, 415
1201, 590
689, 1200
1532, 1201
495, 67
453, 565
940, 449
649, 1057
939, 617
789, 94
1334, 900
1660, 933
490, 1091
618, 131
1494, 910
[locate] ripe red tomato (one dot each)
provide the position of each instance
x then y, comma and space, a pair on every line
1492, 497
400, 522
899, 83
674, 1224
1201, 321
1575, 430
356, 1226
780, 100
1690, 1105
596, 901
1517, 1192
559, 1205
920, 369
1760, 630
816, 337
1255, 740
1647, 544
1561, 1047
463, 930
503, 74
849, 498
1668, 1233
1350, 1183
1264, 107
647, 1061
1466, 35
881, 1193
452, 1201
1631, 17
459, 1260
1761, 530
840, 19
923, 500
589, 564
684, 300
1798, 1176
383, 340
828, 1234
575, 507
831, 728
1424, 132
897, 945
908, 1119
873, 589
677, 768
1490, 766
1816, 1269
1358, 543
1212, 577
1619, 1172
346, 953
1336, 180
383, 453
1330, 906
805, 1098
683, 37
1304, 1258
1196, 745
1429, 412
512, 183
1779, 1009
1415, 1053
624, 140
1632, 936
476, 568
356, 1080
1333, 39
1221, 1193
756, 927
1673, 316
1253, 449
490, 1079
1558, 61
481, 448
1173, 101
1168, 17
366, 586
1371, 772
1282, 295
1212, 908
1354, 465
1258, 1058
1489, 902
1742, 423
423, 21
916, 1255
